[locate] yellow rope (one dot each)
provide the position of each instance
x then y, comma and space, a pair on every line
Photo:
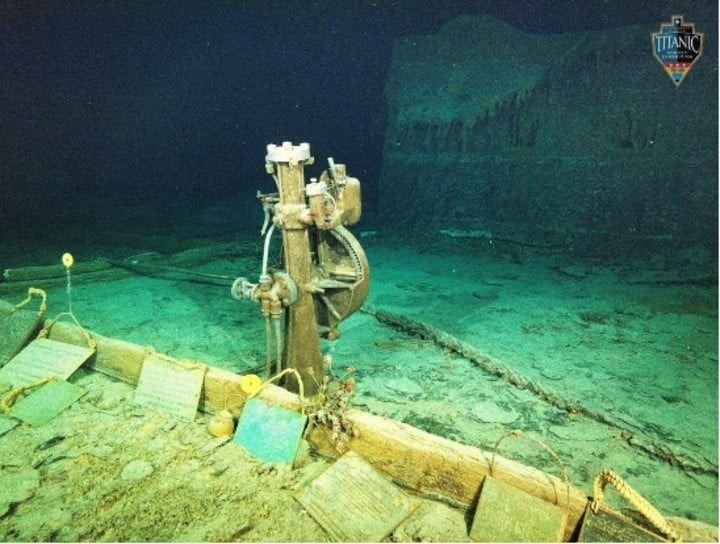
187, 364
634, 498
11, 396
92, 343
301, 388
517, 433
34, 291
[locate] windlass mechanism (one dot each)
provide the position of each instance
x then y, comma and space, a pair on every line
325, 275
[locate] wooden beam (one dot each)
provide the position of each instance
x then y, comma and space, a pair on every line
17, 280
123, 361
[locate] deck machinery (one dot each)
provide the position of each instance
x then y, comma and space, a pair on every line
324, 276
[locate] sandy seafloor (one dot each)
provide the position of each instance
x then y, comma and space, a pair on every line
644, 355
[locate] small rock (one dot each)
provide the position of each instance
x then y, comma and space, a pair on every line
219, 468
169, 425
136, 470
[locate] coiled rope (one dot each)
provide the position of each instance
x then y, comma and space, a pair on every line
634, 498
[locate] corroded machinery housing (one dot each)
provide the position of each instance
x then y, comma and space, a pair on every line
325, 275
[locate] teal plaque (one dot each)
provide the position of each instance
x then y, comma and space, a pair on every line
269, 433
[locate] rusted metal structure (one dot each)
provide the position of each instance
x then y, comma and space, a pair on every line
324, 275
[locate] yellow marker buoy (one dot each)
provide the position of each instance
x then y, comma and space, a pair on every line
250, 384
68, 260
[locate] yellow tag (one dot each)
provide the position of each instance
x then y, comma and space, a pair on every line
68, 260
250, 384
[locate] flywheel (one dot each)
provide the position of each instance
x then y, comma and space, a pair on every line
341, 277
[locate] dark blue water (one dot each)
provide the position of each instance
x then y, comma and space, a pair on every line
171, 104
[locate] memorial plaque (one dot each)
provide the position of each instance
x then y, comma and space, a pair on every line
354, 503
42, 358
269, 433
508, 514
607, 526
46, 402
173, 386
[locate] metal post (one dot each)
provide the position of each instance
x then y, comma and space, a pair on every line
302, 340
